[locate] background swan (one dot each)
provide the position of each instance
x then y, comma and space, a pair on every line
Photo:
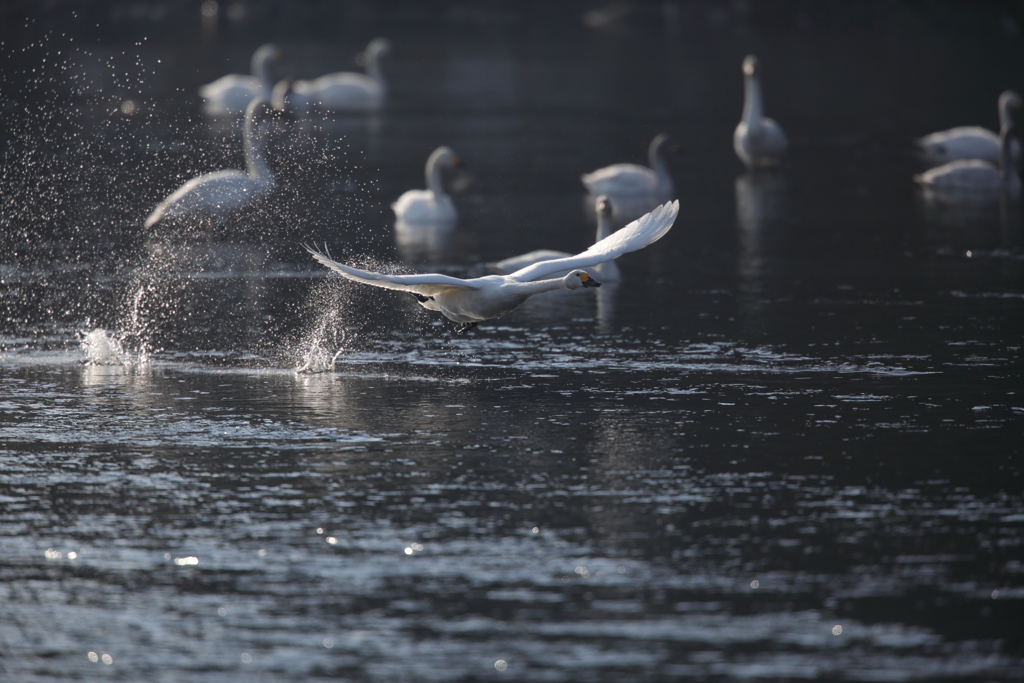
482, 298
216, 194
231, 94
620, 180
974, 176
973, 142
431, 205
758, 140
608, 271
348, 91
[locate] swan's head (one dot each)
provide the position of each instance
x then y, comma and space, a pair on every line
266, 54
578, 279
750, 66
1009, 100
377, 47
445, 156
603, 206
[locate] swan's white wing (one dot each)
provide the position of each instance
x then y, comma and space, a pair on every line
637, 235
427, 284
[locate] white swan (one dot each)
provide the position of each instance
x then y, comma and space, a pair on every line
482, 298
431, 205
608, 271
758, 140
633, 180
222, 192
974, 176
231, 94
972, 142
347, 91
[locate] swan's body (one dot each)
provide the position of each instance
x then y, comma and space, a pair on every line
221, 192
431, 205
231, 94
972, 142
633, 180
482, 298
607, 271
758, 140
348, 91
974, 176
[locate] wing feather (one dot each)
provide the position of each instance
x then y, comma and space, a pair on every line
643, 231
427, 284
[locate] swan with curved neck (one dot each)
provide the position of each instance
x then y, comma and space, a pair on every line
758, 140
231, 94
431, 205
219, 193
349, 91
973, 142
472, 301
967, 177
632, 180
607, 271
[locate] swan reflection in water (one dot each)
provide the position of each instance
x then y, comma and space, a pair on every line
428, 242
760, 208
967, 221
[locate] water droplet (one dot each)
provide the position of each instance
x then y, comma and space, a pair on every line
837, 629
501, 665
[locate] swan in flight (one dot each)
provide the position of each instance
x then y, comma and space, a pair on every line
222, 192
348, 91
431, 205
965, 177
231, 94
608, 271
758, 140
633, 180
972, 142
472, 301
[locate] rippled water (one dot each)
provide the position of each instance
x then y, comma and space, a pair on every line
786, 447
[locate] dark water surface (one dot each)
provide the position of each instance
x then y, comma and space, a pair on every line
786, 447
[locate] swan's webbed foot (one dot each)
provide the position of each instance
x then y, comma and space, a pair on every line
465, 327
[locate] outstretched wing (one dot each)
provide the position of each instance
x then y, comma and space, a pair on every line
637, 235
428, 284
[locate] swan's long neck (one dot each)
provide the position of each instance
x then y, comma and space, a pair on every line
373, 69
604, 225
1004, 113
753, 110
434, 183
656, 160
541, 286
261, 70
1007, 168
255, 159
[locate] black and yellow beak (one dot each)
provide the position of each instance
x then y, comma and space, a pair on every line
589, 281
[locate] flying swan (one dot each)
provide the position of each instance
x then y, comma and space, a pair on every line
472, 301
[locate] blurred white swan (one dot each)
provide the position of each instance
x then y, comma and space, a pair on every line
972, 142
974, 176
221, 192
431, 205
482, 298
632, 180
608, 271
758, 140
231, 94
348, 91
